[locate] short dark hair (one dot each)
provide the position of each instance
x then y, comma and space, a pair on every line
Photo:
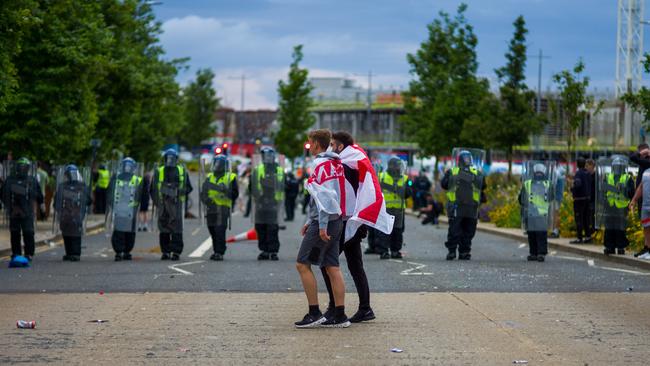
322, 137
581, 163
590, 162
642, 146
343, 137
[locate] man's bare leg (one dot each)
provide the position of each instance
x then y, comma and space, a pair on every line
338, 285
309, 283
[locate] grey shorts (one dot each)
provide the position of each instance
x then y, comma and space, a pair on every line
645, 217
316, 252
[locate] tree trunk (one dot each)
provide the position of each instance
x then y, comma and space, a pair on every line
509, 157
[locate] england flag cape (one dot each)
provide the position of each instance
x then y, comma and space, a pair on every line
326, 184
367, 207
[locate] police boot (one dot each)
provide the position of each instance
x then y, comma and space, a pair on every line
609, 251
464, 256
531, 258
216, 257
620, 251
175, 256
127, 256
164, 257
541, 258
118, 257
396, 255
274, 256
451, 255
384, 255
264, 256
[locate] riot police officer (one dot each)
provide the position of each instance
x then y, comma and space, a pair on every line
465, 186
536, 195
19, 193
169, 191
395, 185
218, 194
267, 181
124, 193
615, 188
71, 203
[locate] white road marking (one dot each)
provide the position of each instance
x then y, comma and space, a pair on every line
569, 258
196, 231
625, 271
522, 245
200, 251
591, 262
174, 267
417, 267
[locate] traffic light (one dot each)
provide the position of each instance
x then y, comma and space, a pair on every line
306, 151
224, 148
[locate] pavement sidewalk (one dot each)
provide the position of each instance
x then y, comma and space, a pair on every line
43, 234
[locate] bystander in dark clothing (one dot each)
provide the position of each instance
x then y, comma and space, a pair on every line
291, 191
422, 186
581, 192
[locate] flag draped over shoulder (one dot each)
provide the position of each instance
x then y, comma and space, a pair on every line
367, 207
326, 184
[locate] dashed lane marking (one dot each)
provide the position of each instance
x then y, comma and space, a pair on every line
200, 251
196, 231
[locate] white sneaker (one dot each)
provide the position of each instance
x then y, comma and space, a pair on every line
644, 256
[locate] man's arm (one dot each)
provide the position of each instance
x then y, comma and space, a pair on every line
637, 195
636, 158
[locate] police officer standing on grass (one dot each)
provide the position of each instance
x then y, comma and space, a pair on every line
124, 196
101, 181
396, 187
465, 186
267, 181
169, 190
20, 192
219, 193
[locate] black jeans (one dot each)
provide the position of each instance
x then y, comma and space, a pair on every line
267, 237
123, 241
171, 243
538, 242
290, 207
392, 241
615, 239
460, 234
72, 245
218, 234
354, 257
372, 239
582, 212
26, 226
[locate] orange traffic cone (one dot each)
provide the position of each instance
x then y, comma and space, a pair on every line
249, 235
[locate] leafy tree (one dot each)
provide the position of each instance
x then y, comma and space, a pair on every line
446, 99
515, 120
293, 114
575, 103
640, 101
199, 103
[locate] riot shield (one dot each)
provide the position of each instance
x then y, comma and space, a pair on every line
168, 191
123, 200
204, 170
465, 182
539, 179
267, 187
71, 201
612, 200
19, 191
216, 192
394, 183
478, 157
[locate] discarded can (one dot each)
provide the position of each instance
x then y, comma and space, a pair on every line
24, 324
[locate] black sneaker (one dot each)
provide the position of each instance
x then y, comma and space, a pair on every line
396, 255
588, 240
341, 321
464, 256
451, 255
362, 315
74, 258
139, 229
264, 256
29, 258
577, 241
310, 321
175, 257
216, 257
145, 229
274, 256
118, 257
165, 257
67, 257
541, 258
329, 313
620, 251
642, 252
127, 256
384, 255
608, 251
531, 258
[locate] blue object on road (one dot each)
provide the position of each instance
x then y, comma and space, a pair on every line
19, 262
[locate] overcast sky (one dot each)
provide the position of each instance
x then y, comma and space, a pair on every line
350, 37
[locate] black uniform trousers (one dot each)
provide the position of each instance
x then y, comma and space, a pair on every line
72, 245
267, 237
26, 226
123, 241
372, 239
171, 242
290, 207
615, 239
460, 234
354, 257
582, 212
100, 200
392, 241
537, 242
218, 234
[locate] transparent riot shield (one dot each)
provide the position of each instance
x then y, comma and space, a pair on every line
539, 179
204, 169
123, 199
394, 183
71, 201
19, 191
612, 193
267, 188
216, 192
169, 194
465, 182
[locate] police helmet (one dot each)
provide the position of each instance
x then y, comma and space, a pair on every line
464, 159
71, 173
539, 170
268, 155
219, 164
395, 165
619, 166
128, 165
170, 157
22, 167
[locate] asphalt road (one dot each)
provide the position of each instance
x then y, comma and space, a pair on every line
497, 265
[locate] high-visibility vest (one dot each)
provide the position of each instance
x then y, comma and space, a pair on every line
537, 200
104, 178
133, 182
279, 192
615, 195
389, 188
220, 198
181, 179
476, 189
